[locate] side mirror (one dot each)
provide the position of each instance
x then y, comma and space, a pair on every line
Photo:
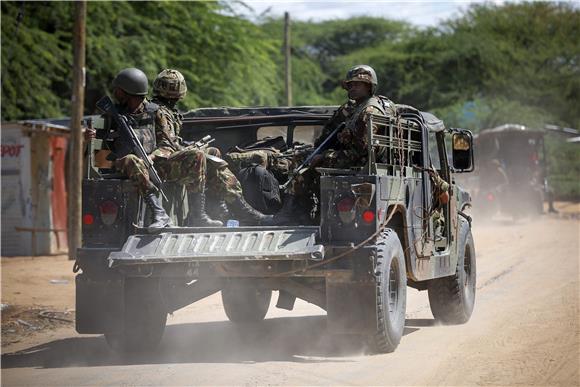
462, 145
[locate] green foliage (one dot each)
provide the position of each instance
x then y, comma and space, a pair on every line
529, 53
563, 167
226, 60
322, 53
485, 113
36, 60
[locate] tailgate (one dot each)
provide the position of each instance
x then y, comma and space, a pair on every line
220, 245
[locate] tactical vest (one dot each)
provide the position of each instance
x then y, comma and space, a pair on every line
351, 121
175, 120
143, 123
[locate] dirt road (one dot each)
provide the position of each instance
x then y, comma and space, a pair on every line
524, 331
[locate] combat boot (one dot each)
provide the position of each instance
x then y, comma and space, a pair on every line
217, 209
247, 214
159, 218
197, 216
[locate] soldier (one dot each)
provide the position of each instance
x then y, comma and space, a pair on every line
440, 190
350, 148
175, 163
130, 87
279, 163
168, 88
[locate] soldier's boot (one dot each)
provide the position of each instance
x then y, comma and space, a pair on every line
216, 208
221, 209
159, 218
247, 214
197, 215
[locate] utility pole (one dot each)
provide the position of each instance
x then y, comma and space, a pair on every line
287, 57
76, 159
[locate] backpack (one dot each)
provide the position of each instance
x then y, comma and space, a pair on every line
261, 189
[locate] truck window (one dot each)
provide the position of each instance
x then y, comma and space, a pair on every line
307, 133
302, 133
272, 131
433, 151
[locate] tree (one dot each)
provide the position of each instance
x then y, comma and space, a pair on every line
226, 60
319, 51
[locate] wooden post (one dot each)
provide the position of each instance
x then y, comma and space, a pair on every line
287, 57
76, 159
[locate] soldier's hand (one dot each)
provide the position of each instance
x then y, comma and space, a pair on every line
90, 134
444, 197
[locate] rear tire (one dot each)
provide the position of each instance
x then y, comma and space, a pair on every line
244, 302
144, 319
391, 277
452, 298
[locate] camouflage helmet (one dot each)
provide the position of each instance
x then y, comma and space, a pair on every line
132, 81
362, 73
169, 84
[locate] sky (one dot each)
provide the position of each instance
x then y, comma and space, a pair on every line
419, 13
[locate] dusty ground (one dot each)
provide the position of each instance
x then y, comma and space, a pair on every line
38, 297
524, 330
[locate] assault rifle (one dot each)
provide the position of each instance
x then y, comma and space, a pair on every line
202, 143
299, 149
130, 140
306, 163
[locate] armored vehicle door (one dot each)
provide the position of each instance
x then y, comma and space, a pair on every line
436, 220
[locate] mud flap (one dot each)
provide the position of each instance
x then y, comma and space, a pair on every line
351, 306
99, 304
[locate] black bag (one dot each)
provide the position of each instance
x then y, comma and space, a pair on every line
261, 189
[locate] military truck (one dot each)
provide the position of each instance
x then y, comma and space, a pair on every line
512, 171
376, 236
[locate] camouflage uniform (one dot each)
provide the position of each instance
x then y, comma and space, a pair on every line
351, 148
134, 168
168, 88
175, 163
130, 86
240, 160
439, 186
154, 125
280, 164
222, 181
142, 120
190, 165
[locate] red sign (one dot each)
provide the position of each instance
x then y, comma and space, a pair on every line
11, 150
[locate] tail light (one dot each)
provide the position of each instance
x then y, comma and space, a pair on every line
346, 210
490, 197
88, 219
109, 210
368, 216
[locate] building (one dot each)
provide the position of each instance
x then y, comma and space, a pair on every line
34, 199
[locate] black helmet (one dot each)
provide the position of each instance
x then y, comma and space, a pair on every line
362, 73
132, 81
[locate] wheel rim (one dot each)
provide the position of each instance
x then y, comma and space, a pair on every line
393, 288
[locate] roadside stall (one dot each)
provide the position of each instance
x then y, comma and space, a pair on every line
34, 199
